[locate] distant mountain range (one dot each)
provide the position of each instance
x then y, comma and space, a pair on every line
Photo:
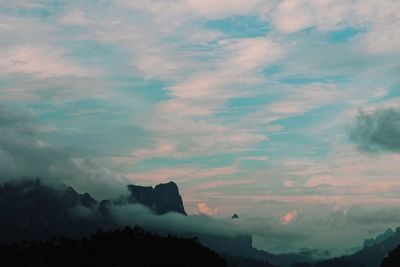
31, 210
371, 255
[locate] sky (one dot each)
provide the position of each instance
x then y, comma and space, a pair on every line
285, 112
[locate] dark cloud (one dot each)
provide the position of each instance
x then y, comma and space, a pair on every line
377, 131
24, 153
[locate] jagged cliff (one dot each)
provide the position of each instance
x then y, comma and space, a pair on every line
163, 198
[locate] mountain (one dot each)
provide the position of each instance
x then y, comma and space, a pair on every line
392, 259
127, 247
238, 261
32, 210
370, 255
382, 237
163, 198
339, 262
241, 247
71, 198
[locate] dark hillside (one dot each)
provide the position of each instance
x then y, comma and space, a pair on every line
127, 247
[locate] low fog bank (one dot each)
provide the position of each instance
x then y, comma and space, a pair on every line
174, 222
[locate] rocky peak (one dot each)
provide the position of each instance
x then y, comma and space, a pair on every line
72, 198
87, 200
163, 198
382, 237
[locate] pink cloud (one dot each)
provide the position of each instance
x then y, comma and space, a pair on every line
161, 175
220, 183
289, 217
180, 173
203, 208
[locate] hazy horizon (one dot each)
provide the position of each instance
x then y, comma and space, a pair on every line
286, 112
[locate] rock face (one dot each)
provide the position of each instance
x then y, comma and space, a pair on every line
162, 199
73, 198
392, 259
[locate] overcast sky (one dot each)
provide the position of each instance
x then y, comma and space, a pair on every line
285, 112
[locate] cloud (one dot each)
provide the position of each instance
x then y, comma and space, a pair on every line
297, 101
225, 8
289, 217
163, 149
23, 153
208, 9
202, 224
174, 222
74, 17
366, 216
271, 232
203, 208
291, 16
251, 53
378, 130
255, 158
204, 81
65, 212
39, 61
206, 92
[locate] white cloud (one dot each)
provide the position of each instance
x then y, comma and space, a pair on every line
251, 53
183, 9
74, 17
297, 101
205, 93
40, 61
378, 19
225, 8
255, 158
292, 16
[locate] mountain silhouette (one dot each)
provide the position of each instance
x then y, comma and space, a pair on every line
163, 198
371, 255
392, 259
235, 216
127, 247
31, 210
71, 198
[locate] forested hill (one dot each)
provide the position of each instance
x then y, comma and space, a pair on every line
127, 247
